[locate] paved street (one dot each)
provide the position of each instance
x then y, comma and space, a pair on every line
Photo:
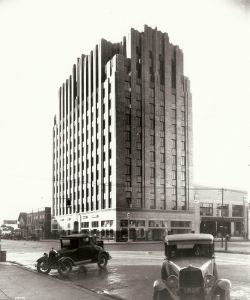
131, 273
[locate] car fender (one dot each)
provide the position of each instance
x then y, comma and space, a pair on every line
160, 285
223, 284
103, 252
63, 259
44, 257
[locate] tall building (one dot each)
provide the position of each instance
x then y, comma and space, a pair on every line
122, 142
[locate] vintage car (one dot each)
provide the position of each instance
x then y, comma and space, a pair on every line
189, 270
76, 250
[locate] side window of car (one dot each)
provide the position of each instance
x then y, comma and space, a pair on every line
84, 242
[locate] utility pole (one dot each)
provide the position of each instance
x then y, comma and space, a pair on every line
222, 205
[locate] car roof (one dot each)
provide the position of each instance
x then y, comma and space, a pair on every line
194, 237
74, 236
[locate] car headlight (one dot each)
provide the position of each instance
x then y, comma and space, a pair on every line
172, 281
209, 280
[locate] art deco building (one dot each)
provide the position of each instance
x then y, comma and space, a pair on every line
122, 142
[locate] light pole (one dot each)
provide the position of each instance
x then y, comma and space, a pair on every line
222, 205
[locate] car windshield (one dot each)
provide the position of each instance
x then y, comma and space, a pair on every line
69, 243
189, 250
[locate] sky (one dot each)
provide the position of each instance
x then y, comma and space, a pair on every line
40, 42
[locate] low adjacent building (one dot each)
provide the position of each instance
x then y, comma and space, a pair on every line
36, 224
222, 211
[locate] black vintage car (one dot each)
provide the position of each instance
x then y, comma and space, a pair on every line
76, 250
189, 271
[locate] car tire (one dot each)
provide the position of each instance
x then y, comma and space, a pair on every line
43, 267
102, 261
161, 295
64, 268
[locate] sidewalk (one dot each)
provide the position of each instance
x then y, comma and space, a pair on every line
19, 283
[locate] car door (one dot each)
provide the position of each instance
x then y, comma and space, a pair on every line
85, 252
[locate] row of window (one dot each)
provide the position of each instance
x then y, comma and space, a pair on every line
206, 209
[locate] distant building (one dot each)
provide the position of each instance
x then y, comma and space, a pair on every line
122, 142
222, 211
39, 223
22, 225
11, 223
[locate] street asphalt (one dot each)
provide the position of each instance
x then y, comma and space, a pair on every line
20, 283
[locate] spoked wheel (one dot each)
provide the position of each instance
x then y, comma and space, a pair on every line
65, 268
102, 261
43, 267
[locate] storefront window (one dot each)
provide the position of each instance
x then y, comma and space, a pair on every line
237, 210
206, 209
95, 223
181, 226
124, 223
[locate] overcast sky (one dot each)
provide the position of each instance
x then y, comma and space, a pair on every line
41, 40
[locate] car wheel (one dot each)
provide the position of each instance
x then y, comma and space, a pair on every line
102, 261
161, 295
65, 268
43, 267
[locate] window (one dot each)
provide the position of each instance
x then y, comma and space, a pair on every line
161, 69
152, 156
138, 121
162, 126
152, 93
139, 189
151, 66
152, 123
152, 188
152, 108
182, 130
173, 72
206, 209
128, 169
173, 113
152, 203
237, 210
138, 62
173, 144
152, 140
138, 170
162, 142
138, 154
138, 137
128, 119
138, 105
162, 110
183, 160
95, 224
162, 157
162, 173
138, 89
152, 172
128, 136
